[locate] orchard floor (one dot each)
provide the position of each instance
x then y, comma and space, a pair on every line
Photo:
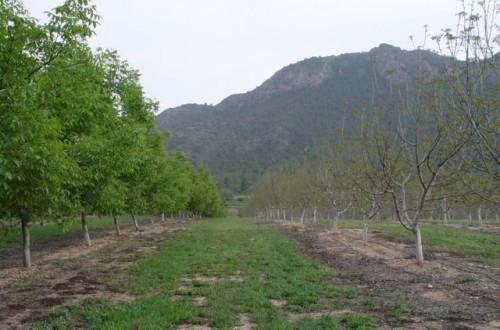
65, 271
449, 292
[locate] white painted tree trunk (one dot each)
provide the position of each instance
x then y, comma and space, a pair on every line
479, 216
26, 244
117, 227
365, 233
302, 217
336, 221
445, 211
85, 230
315, 212
163, 216
418, 246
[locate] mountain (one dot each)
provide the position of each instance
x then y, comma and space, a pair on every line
285, 116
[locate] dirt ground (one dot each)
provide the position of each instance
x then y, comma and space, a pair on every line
65, 271
447, 293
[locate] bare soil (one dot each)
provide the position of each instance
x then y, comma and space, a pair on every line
448, 292
65, 271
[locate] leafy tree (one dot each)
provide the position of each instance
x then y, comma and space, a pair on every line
35, 171
178, 183
205, 197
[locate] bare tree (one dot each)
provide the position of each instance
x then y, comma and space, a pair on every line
472, 75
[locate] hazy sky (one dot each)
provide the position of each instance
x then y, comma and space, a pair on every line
201, 51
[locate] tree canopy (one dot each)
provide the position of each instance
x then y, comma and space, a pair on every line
77, 133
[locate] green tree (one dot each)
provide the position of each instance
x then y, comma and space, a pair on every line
205, 197
35, 170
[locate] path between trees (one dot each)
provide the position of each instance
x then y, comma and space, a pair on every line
448, 292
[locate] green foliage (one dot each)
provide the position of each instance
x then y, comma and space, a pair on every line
77, 133
357, 322
205, 198
35, 170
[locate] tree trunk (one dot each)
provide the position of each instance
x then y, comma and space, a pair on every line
117, 227
85, 230
365, 232
302, 217
26, 244
163, 217
315, 211
336, 221
479, 216
418, 246
135, 221
445, 211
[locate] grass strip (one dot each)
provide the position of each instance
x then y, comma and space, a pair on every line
217, 273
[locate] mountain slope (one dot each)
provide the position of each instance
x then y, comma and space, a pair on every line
290, 112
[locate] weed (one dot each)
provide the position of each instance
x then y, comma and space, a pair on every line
356, 321
369, 303
431, 317
465, 278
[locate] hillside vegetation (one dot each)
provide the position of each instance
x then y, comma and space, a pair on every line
290, 113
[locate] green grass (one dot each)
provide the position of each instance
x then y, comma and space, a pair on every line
482, 247
478, 246
12, 237
239, 268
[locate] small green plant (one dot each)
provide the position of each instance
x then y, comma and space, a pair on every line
356, 321
352, 293
369, 303
431, 317
464, 278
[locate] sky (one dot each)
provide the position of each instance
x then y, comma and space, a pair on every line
201, 51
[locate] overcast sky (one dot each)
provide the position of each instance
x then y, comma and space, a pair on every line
201, 51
